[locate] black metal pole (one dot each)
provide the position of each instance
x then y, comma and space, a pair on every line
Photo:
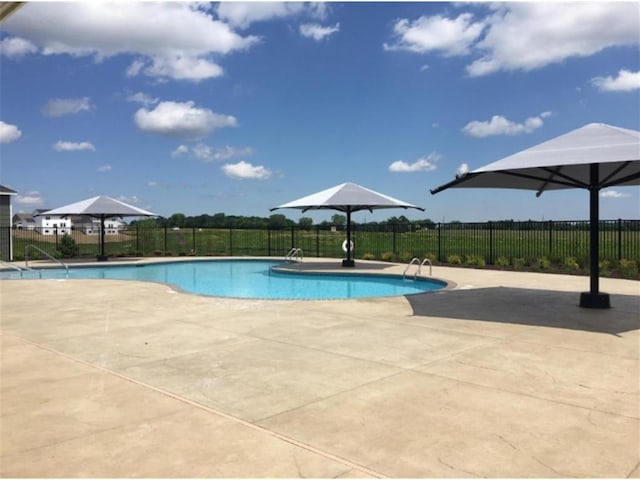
348, 262
593, 298
102, 257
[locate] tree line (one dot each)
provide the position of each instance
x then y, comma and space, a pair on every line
277, 220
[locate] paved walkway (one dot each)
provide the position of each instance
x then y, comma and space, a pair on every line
501, 376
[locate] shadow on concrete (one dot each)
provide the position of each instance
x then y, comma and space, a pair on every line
524, 306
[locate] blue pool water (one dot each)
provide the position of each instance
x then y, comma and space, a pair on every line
246, 279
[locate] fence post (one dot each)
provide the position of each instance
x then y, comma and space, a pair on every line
439, 228
165, 239
193, 235
137, 238
230, 241
393, 248
269, 241
56, 232
490, 243
293, 240
550, 253
317, 240
619, 239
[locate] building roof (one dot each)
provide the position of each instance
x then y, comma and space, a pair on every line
7, 191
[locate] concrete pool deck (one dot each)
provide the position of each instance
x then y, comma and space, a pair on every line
501, 376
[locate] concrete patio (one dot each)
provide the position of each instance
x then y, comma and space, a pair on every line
501, 376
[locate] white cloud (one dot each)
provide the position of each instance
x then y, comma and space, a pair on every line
243, 14
33, 199
104, 168
423, 164
449, 36
317, 31
613, 194
143, 99
133, 199
424, 68
530, 35
499, 125
9, 133
57, 107
624, 82
207, 154
153, 183
183, 120
61, 146
181, 150
243, 170
462, 169
15, 47
170, 39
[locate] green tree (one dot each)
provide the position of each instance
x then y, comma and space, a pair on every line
305, 222
339, 219
68, 247
277, 220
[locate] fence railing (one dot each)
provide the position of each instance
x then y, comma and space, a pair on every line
493, 242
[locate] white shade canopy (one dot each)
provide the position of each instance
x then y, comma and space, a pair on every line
563, 162
100, 206
347, 197
592, 157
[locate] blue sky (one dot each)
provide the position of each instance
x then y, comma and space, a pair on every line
235, 107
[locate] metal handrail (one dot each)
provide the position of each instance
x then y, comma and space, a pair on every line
426, 260
415, 260
293, 253
26, 257
15, 267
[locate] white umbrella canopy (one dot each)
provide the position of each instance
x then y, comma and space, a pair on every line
592, 157
347, 198
100, 207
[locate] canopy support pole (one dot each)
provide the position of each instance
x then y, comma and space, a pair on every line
102, 257
594, 298
349, 262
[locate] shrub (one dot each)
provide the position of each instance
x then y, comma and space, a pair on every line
542, 263
368, 256
502, 262
387, 257
628, 268
605, 266
433, 258
571, 264
404, 257
168, 254
68, 247
157, 253
518, 263
454, 260
475, 260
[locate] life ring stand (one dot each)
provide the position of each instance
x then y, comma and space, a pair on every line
344, 246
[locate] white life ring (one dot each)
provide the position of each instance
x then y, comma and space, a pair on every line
344, 246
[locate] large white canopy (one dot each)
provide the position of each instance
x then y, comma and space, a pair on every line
100, 206
564, 162
347, 197
592, 157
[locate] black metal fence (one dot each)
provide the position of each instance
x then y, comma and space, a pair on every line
489, 242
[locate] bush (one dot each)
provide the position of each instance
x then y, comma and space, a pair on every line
475, 260
433, 258
67, 247
571, 264
157, 253
502, 262
628, 268
605, 266
518, 263
404, 257
454, 260
368, 256
542, 263
387, 257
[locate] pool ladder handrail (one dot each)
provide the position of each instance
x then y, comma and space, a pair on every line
26, 257
416, 260
293, 253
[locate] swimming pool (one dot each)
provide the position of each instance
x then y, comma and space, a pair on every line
246, 279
